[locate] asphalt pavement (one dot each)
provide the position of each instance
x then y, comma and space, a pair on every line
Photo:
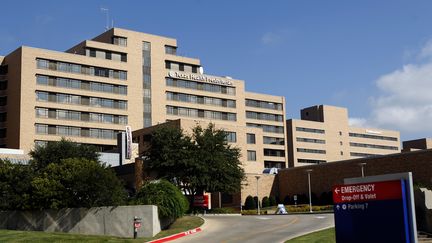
263, 228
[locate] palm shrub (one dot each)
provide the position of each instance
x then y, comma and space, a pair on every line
168, 198
250, 203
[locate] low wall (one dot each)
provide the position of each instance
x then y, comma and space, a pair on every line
324, 176
113, 221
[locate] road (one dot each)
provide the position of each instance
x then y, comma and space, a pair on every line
264, 228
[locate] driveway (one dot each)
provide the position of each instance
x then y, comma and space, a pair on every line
264, 228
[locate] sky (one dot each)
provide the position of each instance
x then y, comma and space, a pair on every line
372, 57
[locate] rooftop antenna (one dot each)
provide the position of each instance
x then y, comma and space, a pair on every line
106, 10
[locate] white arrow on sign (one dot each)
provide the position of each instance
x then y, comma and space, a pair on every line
337, 190
337, 207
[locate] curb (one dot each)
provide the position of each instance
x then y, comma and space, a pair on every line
177, 236
302, 234
181, 234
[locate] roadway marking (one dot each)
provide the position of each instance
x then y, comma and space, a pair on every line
263, 218
320, 217
293, 221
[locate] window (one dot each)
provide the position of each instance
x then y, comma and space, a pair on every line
251, 155
263, 104
312, 151
274, 152
359, 135
41, 129
310, 140
341, 152
273, 140
311, 161
41, 96
120, 41
42, 80
364, 145
172, 50
340, 133
310, 130
250, 138
231, 137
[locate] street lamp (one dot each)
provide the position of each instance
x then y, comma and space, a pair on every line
257, 178
310, 193
362, 168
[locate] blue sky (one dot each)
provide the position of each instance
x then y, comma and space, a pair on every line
373, 57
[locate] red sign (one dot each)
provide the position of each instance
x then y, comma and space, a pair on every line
137, 225
201, 201
384, 190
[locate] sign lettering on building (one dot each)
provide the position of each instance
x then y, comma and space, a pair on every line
200, 78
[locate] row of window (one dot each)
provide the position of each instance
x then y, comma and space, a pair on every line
80, 116
310, 140
359, 135
274, 152
264, 104
81, 84
216, 115
80, 100
267, 128
177, 66
81, 69
273, 140
200, 99
311, 161
365, 145
311, 130
200, 86
103, 54
312, 151
263, 116
355, 154
76, 131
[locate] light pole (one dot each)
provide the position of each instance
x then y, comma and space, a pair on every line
362, 168
257, 178
310, 193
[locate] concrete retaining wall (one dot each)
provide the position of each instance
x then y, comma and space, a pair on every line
113, 221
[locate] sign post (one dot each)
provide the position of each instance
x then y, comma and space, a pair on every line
374, 210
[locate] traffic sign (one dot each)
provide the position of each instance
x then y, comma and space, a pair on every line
372, 212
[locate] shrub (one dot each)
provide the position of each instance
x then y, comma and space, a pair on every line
250, 203
168, 198
265, 202
224, 210
272, 200
253, 212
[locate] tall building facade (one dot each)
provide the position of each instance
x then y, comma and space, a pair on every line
323, 135
93, 90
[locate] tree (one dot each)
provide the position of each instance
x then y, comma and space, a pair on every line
54, 152
15, 190
169, 199
265, 202
201, 162
250, 203
76, 182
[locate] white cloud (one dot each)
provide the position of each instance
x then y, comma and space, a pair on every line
357, 122
271, 38
405, 100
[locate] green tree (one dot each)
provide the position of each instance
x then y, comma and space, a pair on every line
197, 163
265, 202
15, 190
250, 203
169, 199
76, 182
54, 152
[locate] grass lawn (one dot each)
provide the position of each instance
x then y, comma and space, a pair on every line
323, 236
182, 224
